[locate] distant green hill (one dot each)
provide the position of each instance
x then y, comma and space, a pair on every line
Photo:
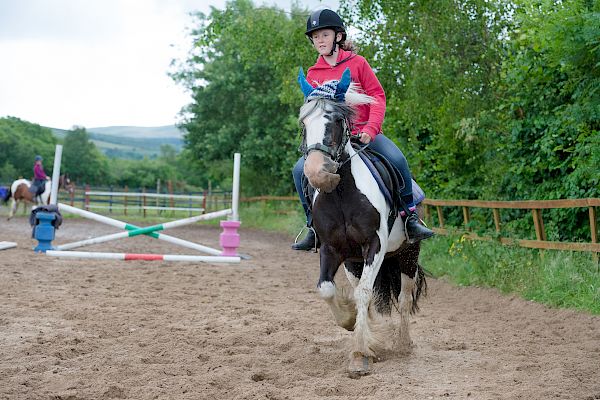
131, 142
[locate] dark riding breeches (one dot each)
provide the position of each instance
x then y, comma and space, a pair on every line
383, 146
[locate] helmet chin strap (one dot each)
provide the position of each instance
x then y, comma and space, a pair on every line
333, 48
335, 43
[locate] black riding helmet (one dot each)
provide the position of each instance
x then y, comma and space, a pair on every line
325, 18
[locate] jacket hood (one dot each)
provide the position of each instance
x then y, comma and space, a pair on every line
343, 56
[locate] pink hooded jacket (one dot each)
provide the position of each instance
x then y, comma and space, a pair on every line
369, 117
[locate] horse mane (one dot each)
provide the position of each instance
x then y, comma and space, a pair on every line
354, 97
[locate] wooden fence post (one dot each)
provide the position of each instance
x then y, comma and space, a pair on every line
110, 200
496, 219
440, 216
593, 230
427, 211
170, 186
540, 232
125, 200
467, 217
157, 199
144, 201
86, 198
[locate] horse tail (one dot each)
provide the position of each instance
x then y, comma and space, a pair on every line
420, 288
388, 284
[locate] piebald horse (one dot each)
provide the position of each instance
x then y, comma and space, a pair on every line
19, 192
350, 217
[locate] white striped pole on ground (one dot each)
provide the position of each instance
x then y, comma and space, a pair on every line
143, 257
143, 231
123, 225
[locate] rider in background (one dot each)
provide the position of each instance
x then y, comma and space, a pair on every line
39, 176
325, 29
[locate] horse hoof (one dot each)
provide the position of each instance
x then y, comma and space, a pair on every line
360, 365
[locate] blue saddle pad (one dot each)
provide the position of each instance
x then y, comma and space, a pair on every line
385, 183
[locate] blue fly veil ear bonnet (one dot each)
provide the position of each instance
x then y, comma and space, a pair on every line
342, 90
332, 90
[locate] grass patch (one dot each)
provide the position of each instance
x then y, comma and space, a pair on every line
275, 216
555, 278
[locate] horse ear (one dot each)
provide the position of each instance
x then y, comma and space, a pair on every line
343, 85
304, 85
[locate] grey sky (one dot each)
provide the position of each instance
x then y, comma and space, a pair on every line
97, 62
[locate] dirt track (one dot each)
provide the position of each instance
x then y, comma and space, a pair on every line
93, 329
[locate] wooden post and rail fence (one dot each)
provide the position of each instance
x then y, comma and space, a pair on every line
536, 207
141, 201
430, 206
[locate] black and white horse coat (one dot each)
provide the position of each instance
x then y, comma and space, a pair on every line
350, 217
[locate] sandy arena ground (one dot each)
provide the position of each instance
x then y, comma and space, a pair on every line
95, 329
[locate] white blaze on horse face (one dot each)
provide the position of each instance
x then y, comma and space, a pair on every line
314, 122
319, 168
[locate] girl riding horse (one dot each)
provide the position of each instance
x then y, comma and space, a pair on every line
357, 227
327, 33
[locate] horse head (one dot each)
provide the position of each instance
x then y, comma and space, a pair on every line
66, 183
326, 117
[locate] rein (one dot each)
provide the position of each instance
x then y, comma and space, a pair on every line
335, 154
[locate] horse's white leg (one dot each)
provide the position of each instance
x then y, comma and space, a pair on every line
405, 299
339, 302
351, 278
13, 208
341, 305
365, 340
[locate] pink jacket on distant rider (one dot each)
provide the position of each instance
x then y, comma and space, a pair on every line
38, 172
369, 117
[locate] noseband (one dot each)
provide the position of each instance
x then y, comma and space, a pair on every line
335, 153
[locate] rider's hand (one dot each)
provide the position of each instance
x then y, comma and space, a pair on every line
365, 137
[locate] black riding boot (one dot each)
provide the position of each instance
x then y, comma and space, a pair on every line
415, 231
310, 242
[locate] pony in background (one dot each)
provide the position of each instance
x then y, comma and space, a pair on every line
19, 192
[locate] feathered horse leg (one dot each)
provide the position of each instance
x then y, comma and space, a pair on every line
365, 339
341, 305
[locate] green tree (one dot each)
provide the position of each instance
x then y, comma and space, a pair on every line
551, 100
550, 107
438, 62
142, 173
20, 142
242, 76
82, 160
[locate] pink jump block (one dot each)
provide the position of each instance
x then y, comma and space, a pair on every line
230, 239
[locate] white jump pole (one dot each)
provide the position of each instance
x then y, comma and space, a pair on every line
122, 225
144, 257
230, 239
235, 194
56, 175
141, 231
